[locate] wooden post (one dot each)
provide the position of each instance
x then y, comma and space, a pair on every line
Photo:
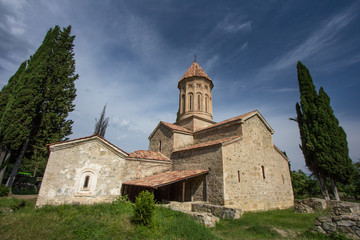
183, 191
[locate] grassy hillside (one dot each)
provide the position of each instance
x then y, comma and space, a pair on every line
112, 221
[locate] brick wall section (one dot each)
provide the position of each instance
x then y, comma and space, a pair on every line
218, 133
164, 135
206, 159
61, 183
246, 158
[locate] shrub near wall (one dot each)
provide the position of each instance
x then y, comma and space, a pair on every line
143, 208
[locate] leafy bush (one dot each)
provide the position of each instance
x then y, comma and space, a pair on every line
143, 209
4, 191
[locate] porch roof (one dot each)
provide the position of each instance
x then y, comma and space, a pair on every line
165, 178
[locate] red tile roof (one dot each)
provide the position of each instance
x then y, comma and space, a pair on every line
175, 127
85, 138
165, 178
207, 144
195, 71
144, 154
227, 121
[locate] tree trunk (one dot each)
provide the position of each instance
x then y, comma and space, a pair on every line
335, 190
4, 164
2, 172
17, 164
323, 187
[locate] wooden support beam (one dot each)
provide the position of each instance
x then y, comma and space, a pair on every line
183, 191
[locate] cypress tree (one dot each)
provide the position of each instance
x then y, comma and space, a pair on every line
324, 143
308, 125
39, 107
101, 124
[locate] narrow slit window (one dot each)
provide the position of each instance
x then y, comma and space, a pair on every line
239, 176
283, 179
86, 182
199, 102
263, 171
183, 103
191, 102
206, 104
159, 146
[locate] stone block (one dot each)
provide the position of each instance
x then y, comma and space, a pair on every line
346, 223
206, 219
329, 226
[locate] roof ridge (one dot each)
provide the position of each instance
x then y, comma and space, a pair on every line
84, 138
207, 144
227, 121
175, 127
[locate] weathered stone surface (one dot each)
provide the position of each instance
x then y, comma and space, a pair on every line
206, 219
319, 229
329, 226
218, 211
324, 219
345, 223
346, 208
302, 208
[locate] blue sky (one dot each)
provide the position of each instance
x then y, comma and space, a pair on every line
131, 54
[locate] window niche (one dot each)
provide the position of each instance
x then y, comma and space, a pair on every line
86, 183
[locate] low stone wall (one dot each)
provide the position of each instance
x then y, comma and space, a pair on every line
206, 214
345, 219
218, 211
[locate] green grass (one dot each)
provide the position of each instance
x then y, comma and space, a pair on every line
112, 221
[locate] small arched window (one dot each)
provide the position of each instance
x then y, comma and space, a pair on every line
191, 102
206, 103
86, 182
183, 103
199, 102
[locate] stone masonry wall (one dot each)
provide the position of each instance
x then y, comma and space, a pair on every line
135, 169
61, 183
206, 159
182, 140
198, 124
218, 133
164, 135
245, 185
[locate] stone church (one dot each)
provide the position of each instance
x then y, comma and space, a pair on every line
232, 163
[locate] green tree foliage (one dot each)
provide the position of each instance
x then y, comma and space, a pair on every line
38, 99
143, 209
353, 187
304, 186
101, 124
323, 141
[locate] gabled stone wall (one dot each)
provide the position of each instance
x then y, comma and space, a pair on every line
164, 135
256, 176
67, 167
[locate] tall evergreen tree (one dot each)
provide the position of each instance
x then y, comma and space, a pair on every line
101, 124
323, 141
37, 109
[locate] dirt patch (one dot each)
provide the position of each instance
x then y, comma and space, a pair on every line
25, 197
285, 233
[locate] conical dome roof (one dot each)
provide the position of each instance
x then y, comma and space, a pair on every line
195, 71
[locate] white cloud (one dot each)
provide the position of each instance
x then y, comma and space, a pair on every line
246, 27
233, 23
321, 38
244, 46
